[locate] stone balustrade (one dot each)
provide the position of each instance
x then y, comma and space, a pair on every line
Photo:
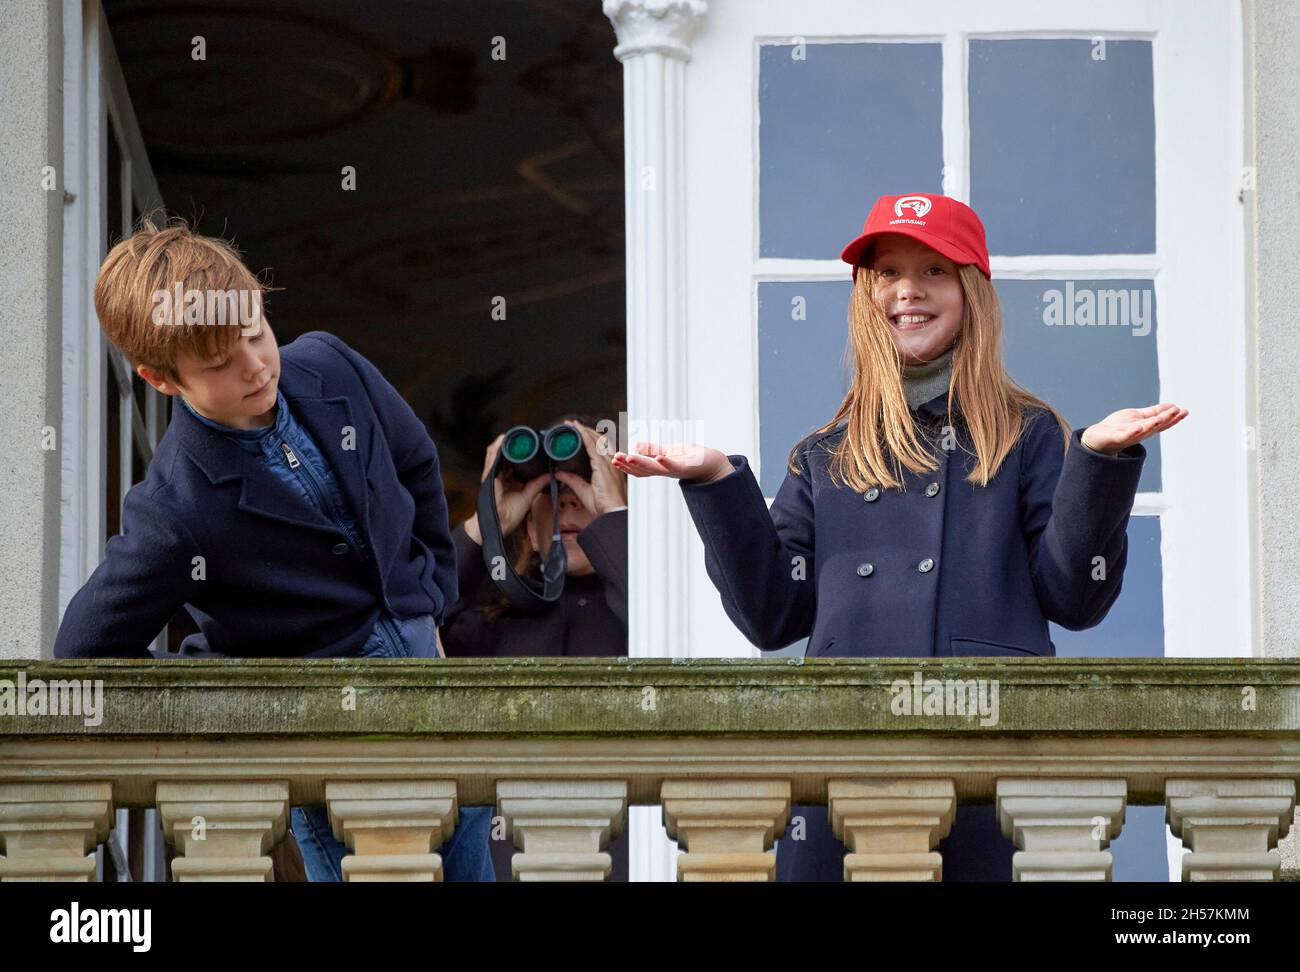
562, 747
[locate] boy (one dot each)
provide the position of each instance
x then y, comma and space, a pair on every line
294, 507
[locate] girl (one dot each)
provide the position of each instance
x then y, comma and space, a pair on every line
942, 511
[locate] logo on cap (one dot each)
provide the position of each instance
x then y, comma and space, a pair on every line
919, 206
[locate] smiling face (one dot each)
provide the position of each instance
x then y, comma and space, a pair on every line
236, 389
574, 518
919, 291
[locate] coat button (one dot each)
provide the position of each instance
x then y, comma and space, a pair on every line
925, 566
340, 548
872, 494
932, 489
864, 570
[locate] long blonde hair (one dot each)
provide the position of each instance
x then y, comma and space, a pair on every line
992, 406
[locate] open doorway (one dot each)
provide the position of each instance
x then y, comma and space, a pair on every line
440, 185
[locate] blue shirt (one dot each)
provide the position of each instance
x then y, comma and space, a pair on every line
289, 451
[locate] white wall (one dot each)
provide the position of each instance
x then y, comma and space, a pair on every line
31, 136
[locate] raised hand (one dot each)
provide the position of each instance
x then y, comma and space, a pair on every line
607, 489
513, 501
1129, 426
694, 462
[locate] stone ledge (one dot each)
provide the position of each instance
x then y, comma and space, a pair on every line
589, 698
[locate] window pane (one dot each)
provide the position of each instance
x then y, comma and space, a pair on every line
1135, 626
1062, 145
1138, 853
802, 372
839, 125
1087, 347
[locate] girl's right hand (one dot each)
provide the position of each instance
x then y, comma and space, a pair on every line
513, 501
693, 462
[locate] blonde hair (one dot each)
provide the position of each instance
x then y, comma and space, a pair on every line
881, 432
157, 257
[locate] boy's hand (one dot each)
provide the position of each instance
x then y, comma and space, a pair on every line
608, 487
513, 501
693, 462
1129, 426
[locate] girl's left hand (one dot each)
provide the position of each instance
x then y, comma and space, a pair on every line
608, 487
1129, 426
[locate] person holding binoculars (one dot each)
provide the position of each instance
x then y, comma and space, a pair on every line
589, 618
584, 610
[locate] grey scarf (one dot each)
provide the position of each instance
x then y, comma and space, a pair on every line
922, 382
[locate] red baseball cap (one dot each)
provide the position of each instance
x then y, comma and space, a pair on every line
940, 222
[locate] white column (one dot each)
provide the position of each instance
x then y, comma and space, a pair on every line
654, 44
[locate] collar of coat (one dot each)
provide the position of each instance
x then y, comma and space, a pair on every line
936, 409
264, 493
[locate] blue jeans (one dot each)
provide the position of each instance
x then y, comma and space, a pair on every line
402, 638
465, 856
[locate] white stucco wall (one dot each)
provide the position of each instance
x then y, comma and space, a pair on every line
1276, 226
31, 136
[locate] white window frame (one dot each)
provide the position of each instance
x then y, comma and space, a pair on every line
96, 108
1205, 504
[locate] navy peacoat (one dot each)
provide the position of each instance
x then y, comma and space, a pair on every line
938, 568
276, 578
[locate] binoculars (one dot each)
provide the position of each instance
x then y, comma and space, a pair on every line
528, 454
531, 453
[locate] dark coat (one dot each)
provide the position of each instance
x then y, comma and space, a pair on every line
940, 568
589, 619
279, 579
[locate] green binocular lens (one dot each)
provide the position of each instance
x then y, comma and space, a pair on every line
562, 442
531, 453
520, 444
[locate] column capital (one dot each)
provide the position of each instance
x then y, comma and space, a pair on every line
891, 827
392, 827
661, 26
561, 826
1231, 826
48, 829
1061, 825
223, 828
725, 827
